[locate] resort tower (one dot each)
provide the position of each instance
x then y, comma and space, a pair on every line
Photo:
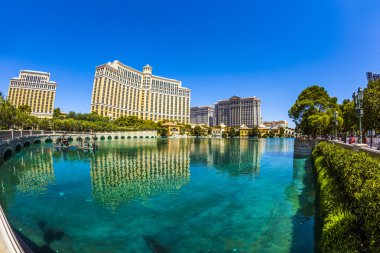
237, 111
120, 90
33, 88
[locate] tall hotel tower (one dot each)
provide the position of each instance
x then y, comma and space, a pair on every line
237, 111
33, 88
120, 90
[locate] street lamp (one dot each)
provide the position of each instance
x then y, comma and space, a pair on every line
336, 124
358, 100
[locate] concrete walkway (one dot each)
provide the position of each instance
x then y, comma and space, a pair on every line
8, 240
358, 147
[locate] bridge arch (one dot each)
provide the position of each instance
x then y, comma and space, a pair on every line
102, 138
48, 140
26, 144
37, 141
116, 137
7, 154
129, 137
123, 137
18, 147
70, 139
109, 137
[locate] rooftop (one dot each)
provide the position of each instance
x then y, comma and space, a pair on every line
35, 72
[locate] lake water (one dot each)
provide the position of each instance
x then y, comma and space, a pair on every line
149, 195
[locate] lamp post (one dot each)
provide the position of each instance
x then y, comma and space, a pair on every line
336, 124
358, 100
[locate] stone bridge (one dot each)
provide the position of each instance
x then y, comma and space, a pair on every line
12, 142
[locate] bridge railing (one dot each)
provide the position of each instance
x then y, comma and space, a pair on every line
11, 134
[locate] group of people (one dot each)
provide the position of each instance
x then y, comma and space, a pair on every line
63, 142
351, 140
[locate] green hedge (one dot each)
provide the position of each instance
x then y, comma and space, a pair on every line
349, 194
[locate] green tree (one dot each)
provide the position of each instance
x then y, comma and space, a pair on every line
23, 119
282, 132
233, 132
271, 134
350, 120
371, 106
43, 124
25, 108
57, 113
7, 113
254, 132
71, 115
197, 131
163, 132
312, 100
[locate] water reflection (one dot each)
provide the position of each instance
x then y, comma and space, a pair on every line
36, 171
235, 157
302, 195
33, 171
124, 173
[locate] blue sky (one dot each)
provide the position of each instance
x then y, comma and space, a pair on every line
269, 49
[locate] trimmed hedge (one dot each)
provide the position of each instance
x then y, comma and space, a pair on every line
349, 193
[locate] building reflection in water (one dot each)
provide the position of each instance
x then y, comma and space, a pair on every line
36, 171
233, 156
120, 174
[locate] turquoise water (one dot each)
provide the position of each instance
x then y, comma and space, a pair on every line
148, 195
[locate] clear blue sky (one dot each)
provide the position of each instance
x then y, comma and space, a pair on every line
269, 49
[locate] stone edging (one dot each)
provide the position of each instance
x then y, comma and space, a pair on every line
8, 239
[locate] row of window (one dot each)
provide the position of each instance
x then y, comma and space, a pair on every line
32, 85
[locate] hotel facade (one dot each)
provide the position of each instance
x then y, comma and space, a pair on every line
371, 77
237, 111
120, 90
202, 115
33, 88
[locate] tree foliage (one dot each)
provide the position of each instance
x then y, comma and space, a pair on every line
350, 120
371, 106
254, 132
313, 106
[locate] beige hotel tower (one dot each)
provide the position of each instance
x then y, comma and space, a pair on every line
33, 88
120, 90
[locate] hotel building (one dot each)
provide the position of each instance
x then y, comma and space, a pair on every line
202, 115
237, 111
120, 90
371, 77
33, 88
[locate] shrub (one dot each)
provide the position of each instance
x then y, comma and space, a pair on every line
349, 184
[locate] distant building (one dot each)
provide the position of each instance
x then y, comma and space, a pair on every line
244, 131
173, 128
237, 111
278, 123
372, 76
33, 88
120, 90
202, 115
217, 132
